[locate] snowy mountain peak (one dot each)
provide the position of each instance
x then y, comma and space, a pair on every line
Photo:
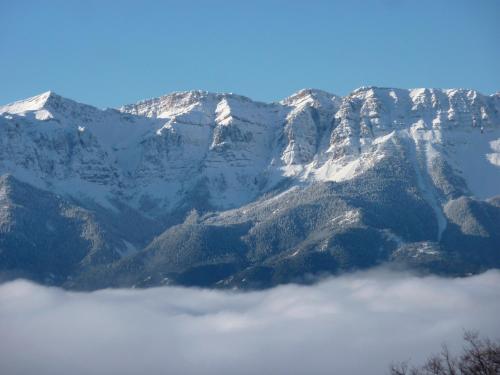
160, 150
33, 103
177, 103
313, 97
49, 105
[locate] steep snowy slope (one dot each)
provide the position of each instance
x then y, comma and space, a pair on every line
71, 148
291, 187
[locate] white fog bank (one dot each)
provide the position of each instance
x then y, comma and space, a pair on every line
355, 324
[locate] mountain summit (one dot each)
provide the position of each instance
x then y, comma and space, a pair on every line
210, 189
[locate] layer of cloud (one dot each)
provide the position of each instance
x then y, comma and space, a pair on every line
354, 324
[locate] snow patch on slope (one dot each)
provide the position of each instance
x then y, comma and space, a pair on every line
477, 156
421, 155
494, 157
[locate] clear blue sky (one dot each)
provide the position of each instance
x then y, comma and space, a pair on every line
108, 53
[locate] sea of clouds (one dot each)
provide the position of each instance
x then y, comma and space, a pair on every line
353, 324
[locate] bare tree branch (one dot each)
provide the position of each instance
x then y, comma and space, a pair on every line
479, 357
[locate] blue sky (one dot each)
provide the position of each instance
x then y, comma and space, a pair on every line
109, 53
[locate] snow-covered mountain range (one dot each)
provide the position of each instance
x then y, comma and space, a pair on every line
218, 189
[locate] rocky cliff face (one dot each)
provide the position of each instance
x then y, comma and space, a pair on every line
377, 175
